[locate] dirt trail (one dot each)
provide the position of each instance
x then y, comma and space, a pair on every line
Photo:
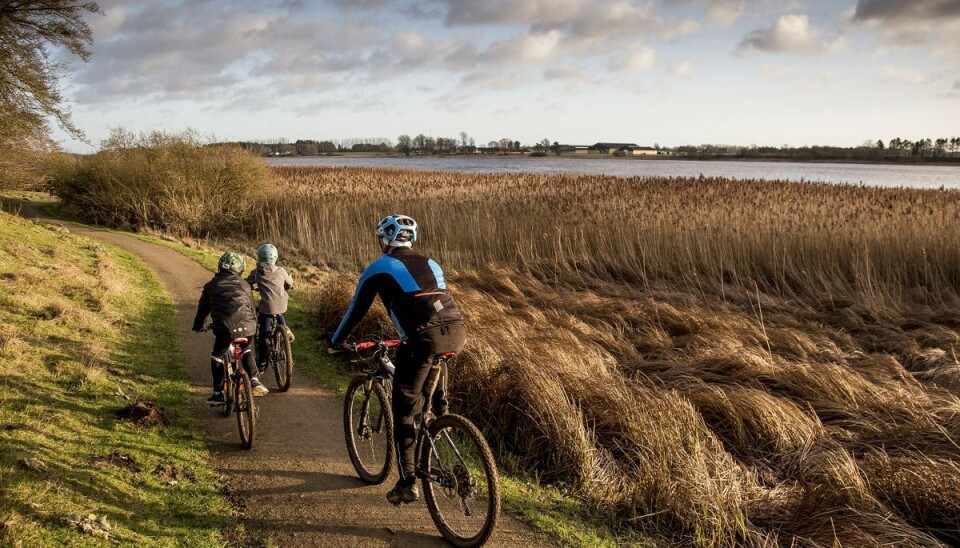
296, 486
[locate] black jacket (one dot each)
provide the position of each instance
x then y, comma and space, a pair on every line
227, 299
412, 289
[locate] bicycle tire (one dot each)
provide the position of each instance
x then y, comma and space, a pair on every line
282, 371
227, 406
246, 410
481, 451
351, 403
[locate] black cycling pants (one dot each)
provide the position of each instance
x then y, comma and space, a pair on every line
264, 328
220, 344
413, 361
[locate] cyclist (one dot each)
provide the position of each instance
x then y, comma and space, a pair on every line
272, 282
415, 295
228, 300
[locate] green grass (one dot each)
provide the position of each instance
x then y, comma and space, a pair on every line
548, 510
81, 325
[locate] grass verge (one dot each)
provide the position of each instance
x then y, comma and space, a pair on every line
86, 330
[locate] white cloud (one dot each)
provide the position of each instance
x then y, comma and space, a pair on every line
641, 59
721, 12
900, 75
682, 69
777, 72
789, 34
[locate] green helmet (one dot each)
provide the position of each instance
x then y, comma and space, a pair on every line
232, 262
267, 253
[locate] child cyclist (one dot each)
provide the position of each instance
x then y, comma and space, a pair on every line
228, 300
272, 282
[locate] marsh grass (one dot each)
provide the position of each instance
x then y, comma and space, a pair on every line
714, 362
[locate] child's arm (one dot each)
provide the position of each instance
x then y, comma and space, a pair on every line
287, 281
203, 310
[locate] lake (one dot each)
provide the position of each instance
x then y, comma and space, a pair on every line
885, 175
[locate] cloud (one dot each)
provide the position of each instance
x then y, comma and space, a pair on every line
641, 59
934, 23
721, 12
900, 75
788, 34
682, 69
955, 92
904, 11
777, 73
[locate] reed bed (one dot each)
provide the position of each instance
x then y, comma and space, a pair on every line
713, 362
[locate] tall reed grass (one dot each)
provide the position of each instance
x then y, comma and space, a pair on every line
715, 362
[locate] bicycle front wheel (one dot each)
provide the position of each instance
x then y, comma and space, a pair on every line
246, 410
282, 359
368, 429
460, 486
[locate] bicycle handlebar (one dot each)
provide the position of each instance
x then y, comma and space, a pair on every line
366, 345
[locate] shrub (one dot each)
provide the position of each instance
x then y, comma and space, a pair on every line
171, 182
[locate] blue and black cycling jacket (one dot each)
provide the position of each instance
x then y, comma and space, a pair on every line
412, 289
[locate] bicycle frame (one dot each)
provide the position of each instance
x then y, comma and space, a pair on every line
384, 371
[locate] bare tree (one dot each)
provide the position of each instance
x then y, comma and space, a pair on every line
29, 75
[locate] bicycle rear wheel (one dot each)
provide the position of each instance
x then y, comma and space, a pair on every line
461, 489
246, 410
282, 359
227, 407
368, 429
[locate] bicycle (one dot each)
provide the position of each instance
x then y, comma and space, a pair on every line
238, 392
279, 355
453, 461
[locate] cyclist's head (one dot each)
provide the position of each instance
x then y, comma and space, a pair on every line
232, 262
396, 231
267, 253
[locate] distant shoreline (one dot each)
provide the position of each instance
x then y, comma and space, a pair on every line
905, 161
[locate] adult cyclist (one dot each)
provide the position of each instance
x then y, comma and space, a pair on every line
415, 295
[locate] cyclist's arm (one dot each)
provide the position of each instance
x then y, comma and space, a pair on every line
252, 279
203, 309
363, 297
287, 281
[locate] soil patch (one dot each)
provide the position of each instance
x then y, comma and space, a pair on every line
143, 414
172, 475
118, 459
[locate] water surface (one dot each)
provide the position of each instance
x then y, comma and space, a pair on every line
884, 175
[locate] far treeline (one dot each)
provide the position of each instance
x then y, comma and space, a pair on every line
944, 149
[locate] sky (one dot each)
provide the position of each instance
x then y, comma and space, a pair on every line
667, 72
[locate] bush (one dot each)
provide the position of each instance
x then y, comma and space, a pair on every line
173, 183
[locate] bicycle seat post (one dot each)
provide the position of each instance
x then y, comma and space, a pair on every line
430, 386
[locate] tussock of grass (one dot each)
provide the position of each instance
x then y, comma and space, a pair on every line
84, 325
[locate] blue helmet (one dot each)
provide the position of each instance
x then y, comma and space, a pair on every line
397, 231
267, 253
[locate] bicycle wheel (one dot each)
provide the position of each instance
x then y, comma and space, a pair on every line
246, 410
227, 407
462, 490
282, 359
368, 428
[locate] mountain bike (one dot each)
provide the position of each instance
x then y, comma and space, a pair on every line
279, 356
237, 391
453, 461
